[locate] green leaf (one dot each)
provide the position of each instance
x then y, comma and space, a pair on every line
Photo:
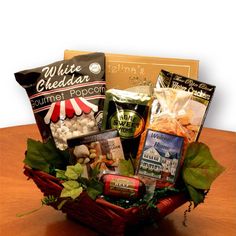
94, 188
74, 172
59, 207
45, 156
160, 193
71, 189
34, 158
71, 184
95, 172
83, 181
196, 195
126, 167
48, 200
60, 174
200, 169
73, 193
93, 193
28, 212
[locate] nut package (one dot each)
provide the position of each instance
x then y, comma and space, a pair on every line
102, 150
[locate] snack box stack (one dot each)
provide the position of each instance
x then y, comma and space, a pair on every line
116, 134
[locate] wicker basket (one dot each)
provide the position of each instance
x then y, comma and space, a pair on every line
104, 217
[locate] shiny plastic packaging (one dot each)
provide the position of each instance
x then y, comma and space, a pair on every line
163, 143
128, 113
122, 187
202, 95
66, 96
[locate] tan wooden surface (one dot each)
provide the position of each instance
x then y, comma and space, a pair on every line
216, 217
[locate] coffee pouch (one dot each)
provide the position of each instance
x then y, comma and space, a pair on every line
128, 113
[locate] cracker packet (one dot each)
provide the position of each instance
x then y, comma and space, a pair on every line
160, 152
197, 107
66, 96
160, 157
168, 108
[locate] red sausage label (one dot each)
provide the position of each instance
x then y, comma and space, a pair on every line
121, 186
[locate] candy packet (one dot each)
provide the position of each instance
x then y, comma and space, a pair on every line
66, 96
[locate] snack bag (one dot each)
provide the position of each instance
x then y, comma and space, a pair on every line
170, 106
128, 113
66, 96
198, 105
163, 143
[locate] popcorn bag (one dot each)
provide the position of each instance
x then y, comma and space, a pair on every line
66, 96
117, 159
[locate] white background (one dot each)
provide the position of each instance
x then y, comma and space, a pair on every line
35, 33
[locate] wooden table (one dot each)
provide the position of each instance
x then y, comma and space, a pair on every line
216, 217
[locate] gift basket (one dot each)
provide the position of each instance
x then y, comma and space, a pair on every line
114, 159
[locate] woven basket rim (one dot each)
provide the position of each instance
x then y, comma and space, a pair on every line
57, 184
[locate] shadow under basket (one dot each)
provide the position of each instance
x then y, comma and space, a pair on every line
101, 215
